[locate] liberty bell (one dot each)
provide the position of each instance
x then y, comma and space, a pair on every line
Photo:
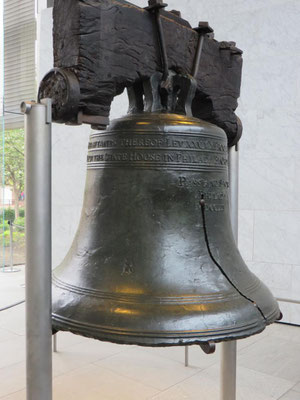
154, 261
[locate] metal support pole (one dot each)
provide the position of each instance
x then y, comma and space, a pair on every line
38, 250
54, 341
11, 237
229, 349
186, 356
228, 370
11, 250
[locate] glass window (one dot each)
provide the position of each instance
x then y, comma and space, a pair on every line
17, 83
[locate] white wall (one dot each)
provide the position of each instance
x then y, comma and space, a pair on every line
268, 32
41, 4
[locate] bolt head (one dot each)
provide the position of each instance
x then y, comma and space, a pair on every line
203, 28
155, 4
203, 24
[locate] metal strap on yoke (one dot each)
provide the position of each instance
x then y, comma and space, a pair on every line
154, 7
203, 29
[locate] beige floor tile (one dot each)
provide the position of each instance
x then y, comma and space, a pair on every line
94, 383
291, 395
286, 332
197, 358
12, 379
201, 387
12, 351
20, 395
83, 353
12, 286
249, 380
148, 368
244, 343
273, 356
7, 335
297, 387
14, 320
191, 389
67, 339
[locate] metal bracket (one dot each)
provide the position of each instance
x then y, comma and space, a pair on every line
97, 122
203, 29
154, 7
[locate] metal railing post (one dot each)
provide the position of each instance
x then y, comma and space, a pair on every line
54, 343
229, 349
186, 356
11, 268
11, 242
38, 250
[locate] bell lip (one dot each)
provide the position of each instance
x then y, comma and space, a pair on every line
162, 339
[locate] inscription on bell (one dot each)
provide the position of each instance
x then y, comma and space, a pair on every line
169, 143
214, 191
156, 156
203, 183
168, 151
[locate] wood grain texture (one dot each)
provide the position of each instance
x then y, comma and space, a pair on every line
111, 44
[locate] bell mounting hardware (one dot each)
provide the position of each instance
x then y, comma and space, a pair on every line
110, 45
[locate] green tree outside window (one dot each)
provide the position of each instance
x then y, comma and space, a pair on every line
14, 149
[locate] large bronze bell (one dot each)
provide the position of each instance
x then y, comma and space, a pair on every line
154, 261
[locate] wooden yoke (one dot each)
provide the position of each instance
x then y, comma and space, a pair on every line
103, 46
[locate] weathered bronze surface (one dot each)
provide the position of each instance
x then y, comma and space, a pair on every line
154, 261
102, 47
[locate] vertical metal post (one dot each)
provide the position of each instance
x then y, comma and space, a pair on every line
228, 370
38, 250
54, 342
186, 356
229, 349
11, 237
11, 250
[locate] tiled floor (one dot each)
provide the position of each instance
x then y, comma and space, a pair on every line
268, 364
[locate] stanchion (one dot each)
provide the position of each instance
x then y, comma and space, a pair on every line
229, 349
228, 370
186, 356
54, 343
38, 250
11, 268
11, 236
